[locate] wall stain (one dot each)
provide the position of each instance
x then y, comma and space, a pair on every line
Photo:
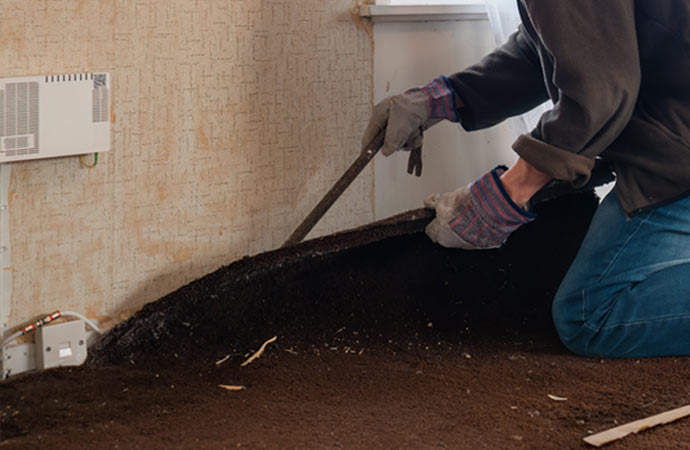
160, 201
181, 255
203, 140
92, 312
79, 9
113, 117
162, 193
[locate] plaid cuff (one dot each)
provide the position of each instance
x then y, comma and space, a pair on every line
441, 98
490, 216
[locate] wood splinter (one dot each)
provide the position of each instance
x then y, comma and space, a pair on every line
620, 432
260, 352
222, 360
228, 387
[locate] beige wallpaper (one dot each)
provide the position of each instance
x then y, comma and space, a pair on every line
231, 118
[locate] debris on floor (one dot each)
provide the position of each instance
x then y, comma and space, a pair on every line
413, 387
229, 387
260, 351
608, 436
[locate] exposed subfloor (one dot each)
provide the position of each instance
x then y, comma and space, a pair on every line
390, 396
384, 341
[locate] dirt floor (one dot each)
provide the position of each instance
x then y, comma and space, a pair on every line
384, 341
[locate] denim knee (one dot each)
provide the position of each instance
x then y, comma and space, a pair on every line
587, 337
568, 318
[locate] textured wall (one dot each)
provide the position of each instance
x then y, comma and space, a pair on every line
230, 119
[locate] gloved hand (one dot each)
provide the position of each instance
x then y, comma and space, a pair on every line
475, 217
406, 116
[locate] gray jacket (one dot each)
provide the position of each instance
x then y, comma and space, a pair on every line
618, 73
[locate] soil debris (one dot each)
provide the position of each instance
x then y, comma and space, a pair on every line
230, 387
222, 360
260, 352
413, 388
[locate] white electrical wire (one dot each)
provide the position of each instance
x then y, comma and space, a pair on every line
13, 337
88, 322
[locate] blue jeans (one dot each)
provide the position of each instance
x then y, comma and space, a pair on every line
627, 294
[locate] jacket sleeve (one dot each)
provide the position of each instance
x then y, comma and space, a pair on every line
505, 83
593, 74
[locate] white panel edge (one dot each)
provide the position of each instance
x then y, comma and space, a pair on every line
5, 255
421, 13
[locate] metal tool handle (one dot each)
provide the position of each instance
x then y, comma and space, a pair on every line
338, 188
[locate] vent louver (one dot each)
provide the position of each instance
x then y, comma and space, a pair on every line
19, 118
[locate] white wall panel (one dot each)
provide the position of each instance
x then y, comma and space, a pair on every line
412, 53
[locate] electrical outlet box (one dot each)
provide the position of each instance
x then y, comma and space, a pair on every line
62, 344
17, 359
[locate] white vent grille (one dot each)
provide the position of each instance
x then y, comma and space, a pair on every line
19, 118
99, 110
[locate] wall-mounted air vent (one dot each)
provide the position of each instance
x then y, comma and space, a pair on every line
54, 115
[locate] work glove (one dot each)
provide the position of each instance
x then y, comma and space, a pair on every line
475, 217
404, 118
